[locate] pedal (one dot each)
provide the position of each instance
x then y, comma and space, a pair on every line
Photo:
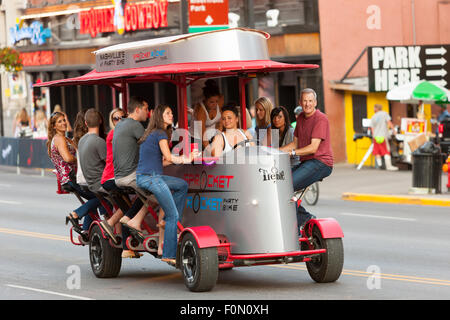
151, 243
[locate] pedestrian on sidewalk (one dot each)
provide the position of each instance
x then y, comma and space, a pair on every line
380, 124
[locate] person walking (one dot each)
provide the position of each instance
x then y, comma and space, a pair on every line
380, 124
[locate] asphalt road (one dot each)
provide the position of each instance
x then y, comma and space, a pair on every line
391, 252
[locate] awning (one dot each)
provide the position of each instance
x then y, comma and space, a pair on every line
170, 71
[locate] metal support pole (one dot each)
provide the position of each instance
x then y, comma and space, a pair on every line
242, 83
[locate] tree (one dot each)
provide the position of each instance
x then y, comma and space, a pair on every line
10, 59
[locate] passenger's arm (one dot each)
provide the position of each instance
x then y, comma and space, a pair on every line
309, 149
290, 146
200, 115
217, 146
168, 156
249, 137
61, 145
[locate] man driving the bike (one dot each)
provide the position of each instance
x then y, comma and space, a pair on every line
312, 144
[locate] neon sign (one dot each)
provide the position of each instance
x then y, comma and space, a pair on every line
35, 32
131, 17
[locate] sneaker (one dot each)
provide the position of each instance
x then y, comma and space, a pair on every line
392, 168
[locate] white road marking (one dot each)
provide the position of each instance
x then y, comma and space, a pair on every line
376, 216
49, 292
9, 202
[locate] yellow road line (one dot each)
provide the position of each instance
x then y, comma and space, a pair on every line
414, 200
34, 234
356, 273
365, 274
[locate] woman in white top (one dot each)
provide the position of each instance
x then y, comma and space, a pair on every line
208, 113
231, 136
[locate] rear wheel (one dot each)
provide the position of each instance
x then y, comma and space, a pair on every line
105, 260
200, 267
325, 267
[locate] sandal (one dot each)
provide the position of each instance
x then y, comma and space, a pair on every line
138, 234
109, 230
170, 261
131, 254
75, 221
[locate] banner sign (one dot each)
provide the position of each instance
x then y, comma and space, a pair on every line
207, 15
23, 152
37, 58
397, 65
131, 17
36, 33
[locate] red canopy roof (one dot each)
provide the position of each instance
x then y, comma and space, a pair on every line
165, 72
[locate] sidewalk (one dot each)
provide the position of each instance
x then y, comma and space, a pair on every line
373, 185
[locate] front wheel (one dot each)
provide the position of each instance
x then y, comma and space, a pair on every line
106, 261
200, 267
325, 267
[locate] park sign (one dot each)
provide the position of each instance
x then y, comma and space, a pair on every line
208, 15
393, 66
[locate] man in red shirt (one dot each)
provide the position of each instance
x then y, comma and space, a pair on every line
312, 144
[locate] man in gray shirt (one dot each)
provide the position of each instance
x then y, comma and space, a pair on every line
92, 152
125, 146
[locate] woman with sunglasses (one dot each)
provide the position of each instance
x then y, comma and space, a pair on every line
62, 152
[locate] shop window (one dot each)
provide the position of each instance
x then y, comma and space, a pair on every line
359, 112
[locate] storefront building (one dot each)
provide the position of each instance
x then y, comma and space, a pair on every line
399, 33
56, 39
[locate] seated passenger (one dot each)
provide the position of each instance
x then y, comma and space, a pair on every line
92, 150
62, 152
109, 184
263, 109
208, 113
126, 156
279, 119
154, 145
231, 136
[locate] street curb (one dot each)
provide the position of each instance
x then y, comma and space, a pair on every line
383, 198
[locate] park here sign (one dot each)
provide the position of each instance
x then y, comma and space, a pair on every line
393, 66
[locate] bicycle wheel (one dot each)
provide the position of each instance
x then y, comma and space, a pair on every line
312, 195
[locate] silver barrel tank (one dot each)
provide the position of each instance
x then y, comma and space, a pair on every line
244, 196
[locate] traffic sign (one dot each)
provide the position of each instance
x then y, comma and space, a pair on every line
207, 15
393, 66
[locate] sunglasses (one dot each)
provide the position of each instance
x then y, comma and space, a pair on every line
56, 113
118, 118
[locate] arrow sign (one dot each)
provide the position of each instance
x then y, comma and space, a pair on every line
436, 62
209, 19
440, 51
441, 83
436, 73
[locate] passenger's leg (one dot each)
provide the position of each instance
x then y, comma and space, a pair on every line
161, 226
179, 187
159, 188
304, 175
84, 209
